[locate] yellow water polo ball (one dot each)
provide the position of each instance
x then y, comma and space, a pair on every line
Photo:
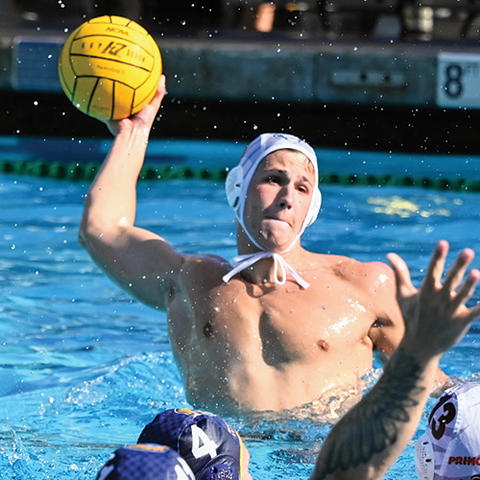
110, 67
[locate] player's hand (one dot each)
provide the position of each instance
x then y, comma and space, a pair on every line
435, 315
144, 118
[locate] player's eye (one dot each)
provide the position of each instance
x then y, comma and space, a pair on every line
272, 179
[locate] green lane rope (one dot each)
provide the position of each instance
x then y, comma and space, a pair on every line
80, 172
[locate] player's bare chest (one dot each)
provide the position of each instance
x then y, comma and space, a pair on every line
286, 314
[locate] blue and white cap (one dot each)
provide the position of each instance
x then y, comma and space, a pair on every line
210, 446
236, 188
145, 462
450, 447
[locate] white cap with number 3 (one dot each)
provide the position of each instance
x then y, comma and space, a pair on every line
450, 447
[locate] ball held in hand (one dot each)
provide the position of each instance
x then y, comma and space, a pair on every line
110, 67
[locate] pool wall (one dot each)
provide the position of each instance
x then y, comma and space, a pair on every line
266, 71
365, 94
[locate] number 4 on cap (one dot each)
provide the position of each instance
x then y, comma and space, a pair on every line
201, 444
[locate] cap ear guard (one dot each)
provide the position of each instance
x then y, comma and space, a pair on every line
233, 186
217, 472
424, 458
315, 205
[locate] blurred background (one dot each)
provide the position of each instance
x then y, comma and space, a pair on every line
370, 74
393, 19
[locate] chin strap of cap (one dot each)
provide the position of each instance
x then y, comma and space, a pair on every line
241, 262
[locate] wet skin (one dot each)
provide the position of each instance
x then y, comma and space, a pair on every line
250, 344
253, 345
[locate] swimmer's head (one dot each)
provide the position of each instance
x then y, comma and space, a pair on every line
211, 447
450, 447
145, 462
239, 178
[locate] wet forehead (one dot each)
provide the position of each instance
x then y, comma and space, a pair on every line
288, 160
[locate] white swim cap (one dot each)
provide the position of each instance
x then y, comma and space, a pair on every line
450, 447
239, 178
236, 187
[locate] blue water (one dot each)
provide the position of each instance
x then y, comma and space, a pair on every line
83, 367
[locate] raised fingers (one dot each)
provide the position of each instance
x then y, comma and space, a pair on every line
473, 313
402, 275
457, 271
466, 291
437, 264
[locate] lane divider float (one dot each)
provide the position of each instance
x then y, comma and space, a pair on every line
86, 172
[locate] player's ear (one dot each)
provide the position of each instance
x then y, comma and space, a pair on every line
233, 186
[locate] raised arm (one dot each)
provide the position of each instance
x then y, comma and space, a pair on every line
387, 331
138, 260
368, 439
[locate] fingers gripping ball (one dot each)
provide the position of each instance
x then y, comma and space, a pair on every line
110, 67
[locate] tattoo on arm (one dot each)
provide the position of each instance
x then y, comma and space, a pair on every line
373, 424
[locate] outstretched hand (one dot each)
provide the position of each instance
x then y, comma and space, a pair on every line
435, 315
144, 118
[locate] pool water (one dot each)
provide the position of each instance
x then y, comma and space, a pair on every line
83, 367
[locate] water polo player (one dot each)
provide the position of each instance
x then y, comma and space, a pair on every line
450, 447
191, 444
278, 327
369, 438
209, 445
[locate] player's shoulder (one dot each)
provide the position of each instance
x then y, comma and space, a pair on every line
200, 272
366, 275
205, 261
203, 265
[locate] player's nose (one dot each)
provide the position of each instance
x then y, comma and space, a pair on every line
285, 197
